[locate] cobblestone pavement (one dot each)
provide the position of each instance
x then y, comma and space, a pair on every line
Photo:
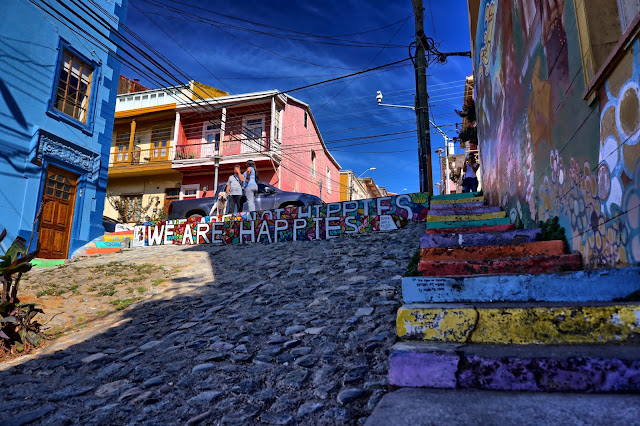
291, 333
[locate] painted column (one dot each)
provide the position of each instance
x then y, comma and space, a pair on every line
132, 137
272, 123
176, 135
223, 126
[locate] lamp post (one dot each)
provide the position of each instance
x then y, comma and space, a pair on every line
351, 187
444, 174
216, 160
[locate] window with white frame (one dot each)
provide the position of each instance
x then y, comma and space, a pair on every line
211, 140
253, 132
189, 191
313, 164
328, 180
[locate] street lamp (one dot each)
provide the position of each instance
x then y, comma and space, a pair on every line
351, 187
370, 168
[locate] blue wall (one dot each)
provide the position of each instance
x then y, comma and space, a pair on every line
30, 43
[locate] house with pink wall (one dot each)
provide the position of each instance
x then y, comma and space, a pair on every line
276, 131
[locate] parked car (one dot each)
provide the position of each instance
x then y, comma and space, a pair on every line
269, 197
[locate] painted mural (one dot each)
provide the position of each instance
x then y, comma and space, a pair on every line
289, 224
205, 231
545, 151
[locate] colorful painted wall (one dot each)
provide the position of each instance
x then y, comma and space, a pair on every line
545, 150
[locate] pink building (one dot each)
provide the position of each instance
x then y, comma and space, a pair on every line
273, 129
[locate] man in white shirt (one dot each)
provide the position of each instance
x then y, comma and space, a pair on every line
470, 182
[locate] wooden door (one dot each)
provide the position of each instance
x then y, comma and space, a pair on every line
58, 201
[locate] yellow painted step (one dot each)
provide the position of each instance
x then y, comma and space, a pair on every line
457, 200
523, 324
465, 217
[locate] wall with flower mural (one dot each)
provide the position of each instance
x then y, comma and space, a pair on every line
545, 150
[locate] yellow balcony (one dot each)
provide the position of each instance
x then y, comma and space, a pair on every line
152, 161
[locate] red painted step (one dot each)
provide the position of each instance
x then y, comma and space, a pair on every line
527, 265
488, 228
538, 248
102, 250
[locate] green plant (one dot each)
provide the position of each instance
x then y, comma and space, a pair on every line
16, 321
551, 230
158, 281
412, 268
123, 303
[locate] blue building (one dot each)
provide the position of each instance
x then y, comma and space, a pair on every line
58, 88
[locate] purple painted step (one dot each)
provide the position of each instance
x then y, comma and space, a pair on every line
471, 205
515, 236
457, 212
541, 368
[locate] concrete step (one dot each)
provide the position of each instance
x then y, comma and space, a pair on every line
444, 239
537, 248
486, 228
118, 236
461, 196
526, 265
464, 217
602, 285
92, 251
456, 224
418, 407
538, 368
521, 324
459, 206
462, 210
456, 200
107, 244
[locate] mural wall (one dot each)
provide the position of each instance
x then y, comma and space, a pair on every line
545, 151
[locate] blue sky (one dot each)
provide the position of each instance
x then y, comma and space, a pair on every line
241, 61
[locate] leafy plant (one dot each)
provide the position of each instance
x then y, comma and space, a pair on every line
412, 268
551, 230
16, 321
130, 210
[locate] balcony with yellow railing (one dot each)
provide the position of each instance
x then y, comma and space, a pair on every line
151, 161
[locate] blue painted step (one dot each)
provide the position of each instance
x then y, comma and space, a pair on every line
602, 285
107, 244
516, 236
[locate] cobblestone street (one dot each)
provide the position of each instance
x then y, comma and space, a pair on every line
291, 333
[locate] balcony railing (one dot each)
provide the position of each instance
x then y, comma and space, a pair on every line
211, 149
142, 157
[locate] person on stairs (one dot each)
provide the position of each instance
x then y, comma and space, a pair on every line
470, 180
234, 189
251, 185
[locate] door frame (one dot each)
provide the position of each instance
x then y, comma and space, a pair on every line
78, 206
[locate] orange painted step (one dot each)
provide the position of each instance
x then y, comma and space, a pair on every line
103, 250
526, 265
120, 233
538, 248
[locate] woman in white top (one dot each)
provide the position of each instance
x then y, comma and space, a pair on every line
470, 181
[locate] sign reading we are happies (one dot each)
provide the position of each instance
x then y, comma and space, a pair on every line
204, 231
289, 224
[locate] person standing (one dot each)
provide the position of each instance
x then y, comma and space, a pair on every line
470, 182
251, 185
234, 189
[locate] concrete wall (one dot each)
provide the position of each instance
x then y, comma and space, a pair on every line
545, 150
29, 44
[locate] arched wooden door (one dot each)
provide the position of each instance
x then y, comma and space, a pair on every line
58, 201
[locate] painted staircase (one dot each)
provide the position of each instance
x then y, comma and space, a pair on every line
110, 242
496, 310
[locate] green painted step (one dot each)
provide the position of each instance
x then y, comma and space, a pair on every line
456, 196
469, 223
46, 263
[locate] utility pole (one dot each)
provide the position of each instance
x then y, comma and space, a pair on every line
422, 102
